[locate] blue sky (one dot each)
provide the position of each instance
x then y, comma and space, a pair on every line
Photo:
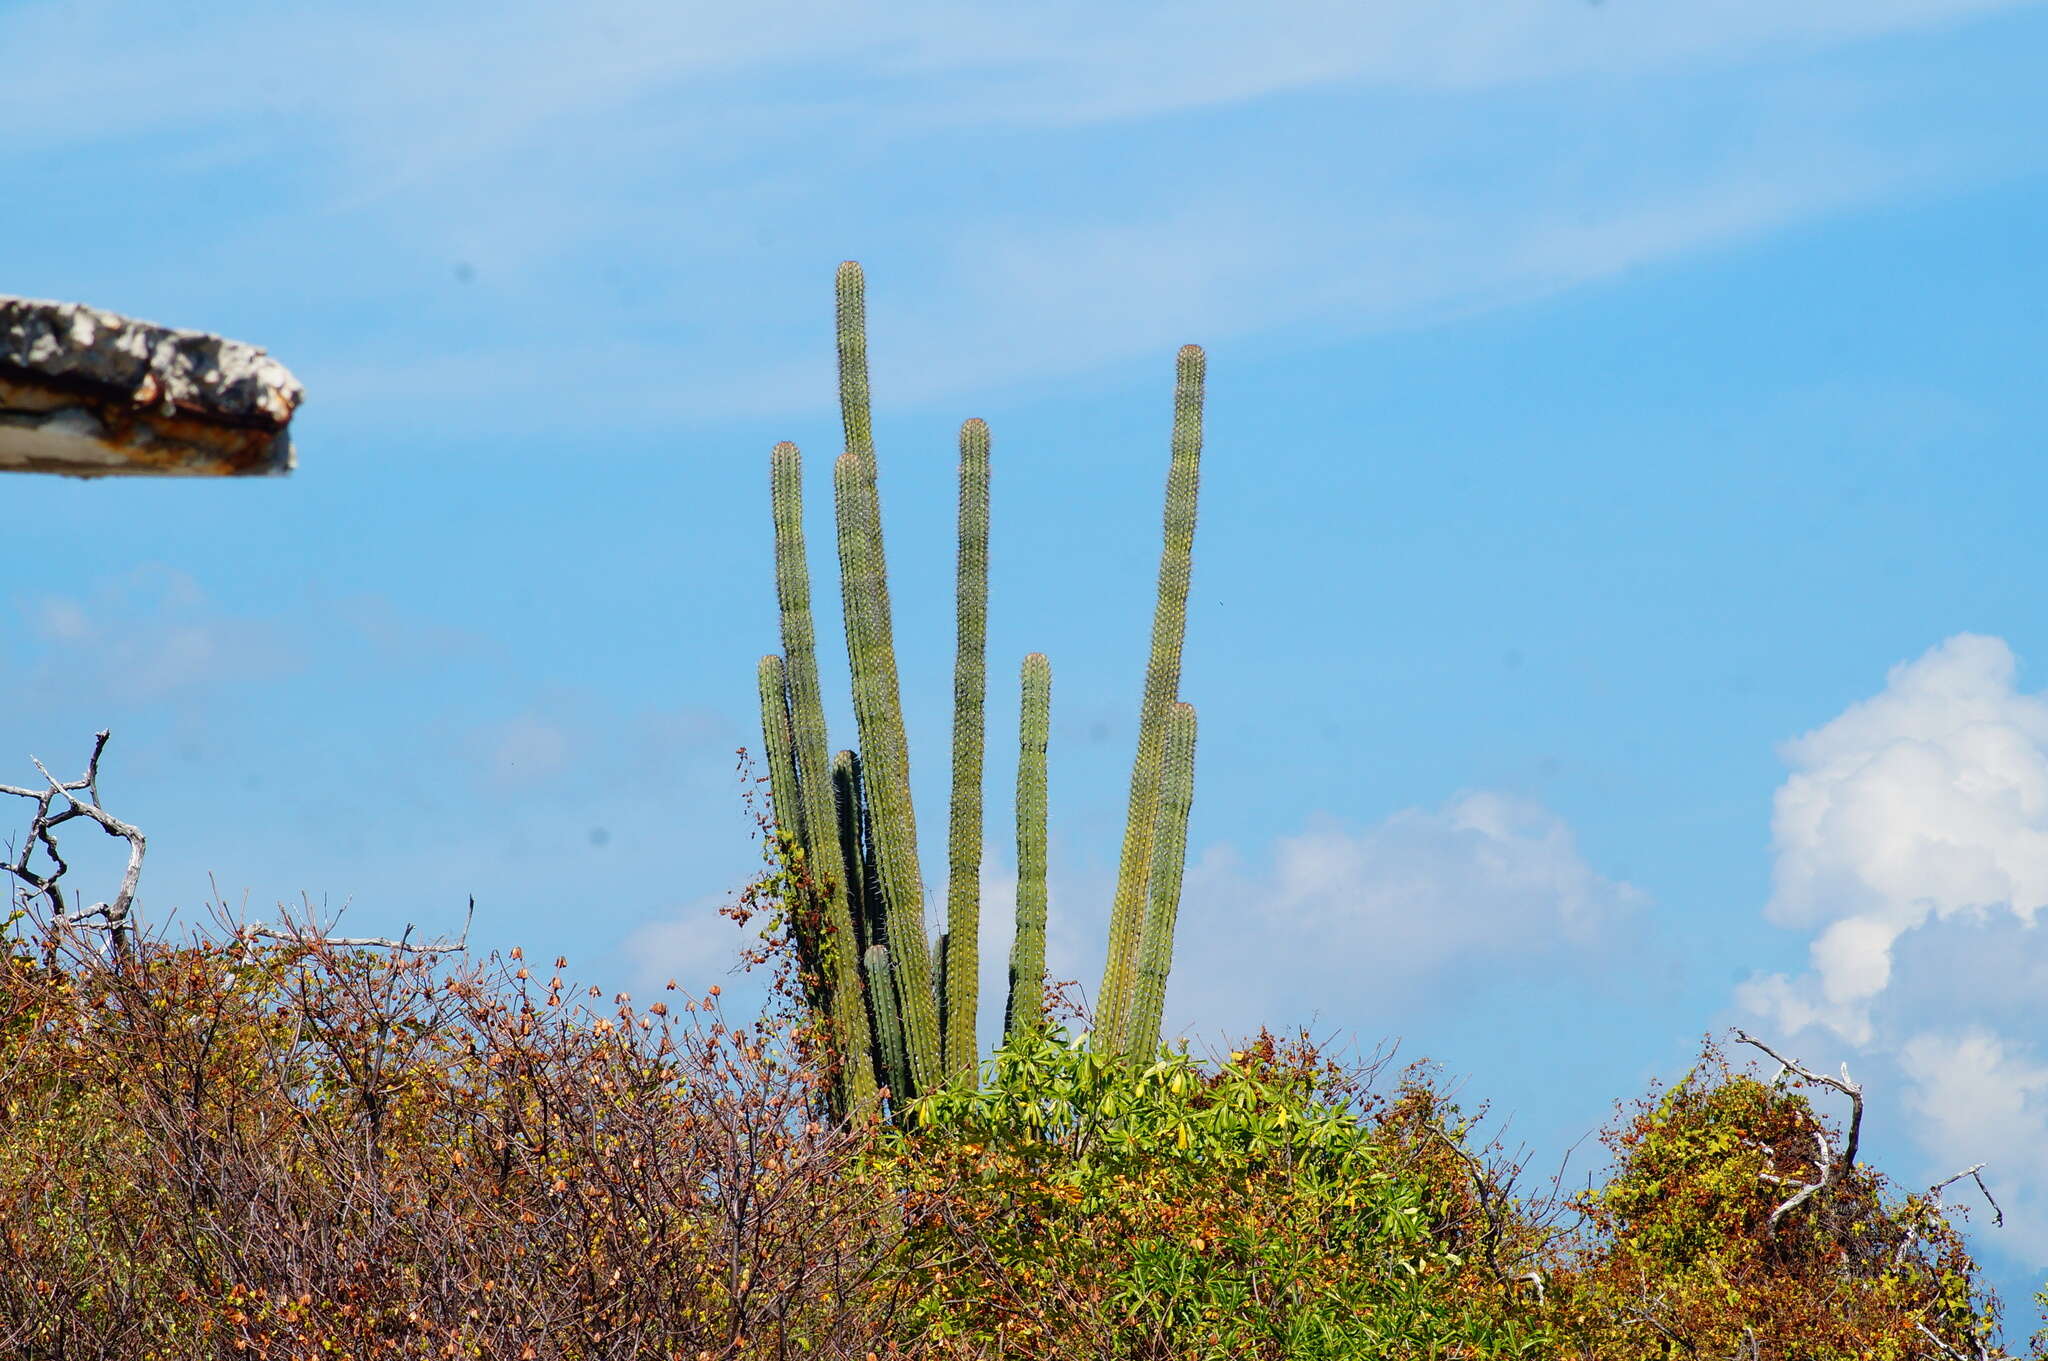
1617, 607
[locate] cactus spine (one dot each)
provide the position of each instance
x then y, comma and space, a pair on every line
960, 988
1169, 860
1026, 1005
1162, 684
877, 701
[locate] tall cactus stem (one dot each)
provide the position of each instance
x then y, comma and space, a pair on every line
852, 318
1169, 862
890, 1054
878, 708
851, 812
785, 799
939, 959
960, 997
1026, 1005
786, 804
1162, 684
838, 956
878, 712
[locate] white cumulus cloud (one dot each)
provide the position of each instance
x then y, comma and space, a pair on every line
1912, 842
1927, 802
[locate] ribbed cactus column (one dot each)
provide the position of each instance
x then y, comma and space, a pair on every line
1169, 862
1026, 1007
877, 701
837, 953
895, 1062
848, 804
961, 994
1162, 685
777, 743
786, 803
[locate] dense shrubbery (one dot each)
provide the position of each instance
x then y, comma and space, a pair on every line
1690, 1247
299, 1150
309, 1151
1269, 1207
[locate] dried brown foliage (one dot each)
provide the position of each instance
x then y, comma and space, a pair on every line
222, 1148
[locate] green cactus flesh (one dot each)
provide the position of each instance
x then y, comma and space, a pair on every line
1169, 861
1162, 683
961, 947
1027, 952
837, 953
890, 1055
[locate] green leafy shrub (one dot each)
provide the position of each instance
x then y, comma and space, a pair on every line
1737, 1223
1076, 1204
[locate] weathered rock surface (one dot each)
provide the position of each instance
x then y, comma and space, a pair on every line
93, 394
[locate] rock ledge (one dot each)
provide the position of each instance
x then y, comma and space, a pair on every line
90, 393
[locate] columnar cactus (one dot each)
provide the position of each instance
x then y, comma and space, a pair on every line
898, 1021
1162, 684
856, 844
890, 1054
815, 820
885, 758
1027, 952
961, 991
877, 700
1169, 859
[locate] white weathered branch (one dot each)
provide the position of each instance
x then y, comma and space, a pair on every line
81, 798
1843, 1084
258, 930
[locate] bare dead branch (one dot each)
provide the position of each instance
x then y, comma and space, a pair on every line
1946, 1350
259, 931
81, 799
1972, 1172
1842, 1084
1806, 1189
1934, 1200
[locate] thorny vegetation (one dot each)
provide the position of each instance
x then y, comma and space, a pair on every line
275, 1142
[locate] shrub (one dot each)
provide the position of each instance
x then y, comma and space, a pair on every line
298, 1149
1074, 1204
218, 1149
1708, 1241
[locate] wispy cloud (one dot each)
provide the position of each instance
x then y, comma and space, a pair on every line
632, 171
1379, 917
147, 636
491, 84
